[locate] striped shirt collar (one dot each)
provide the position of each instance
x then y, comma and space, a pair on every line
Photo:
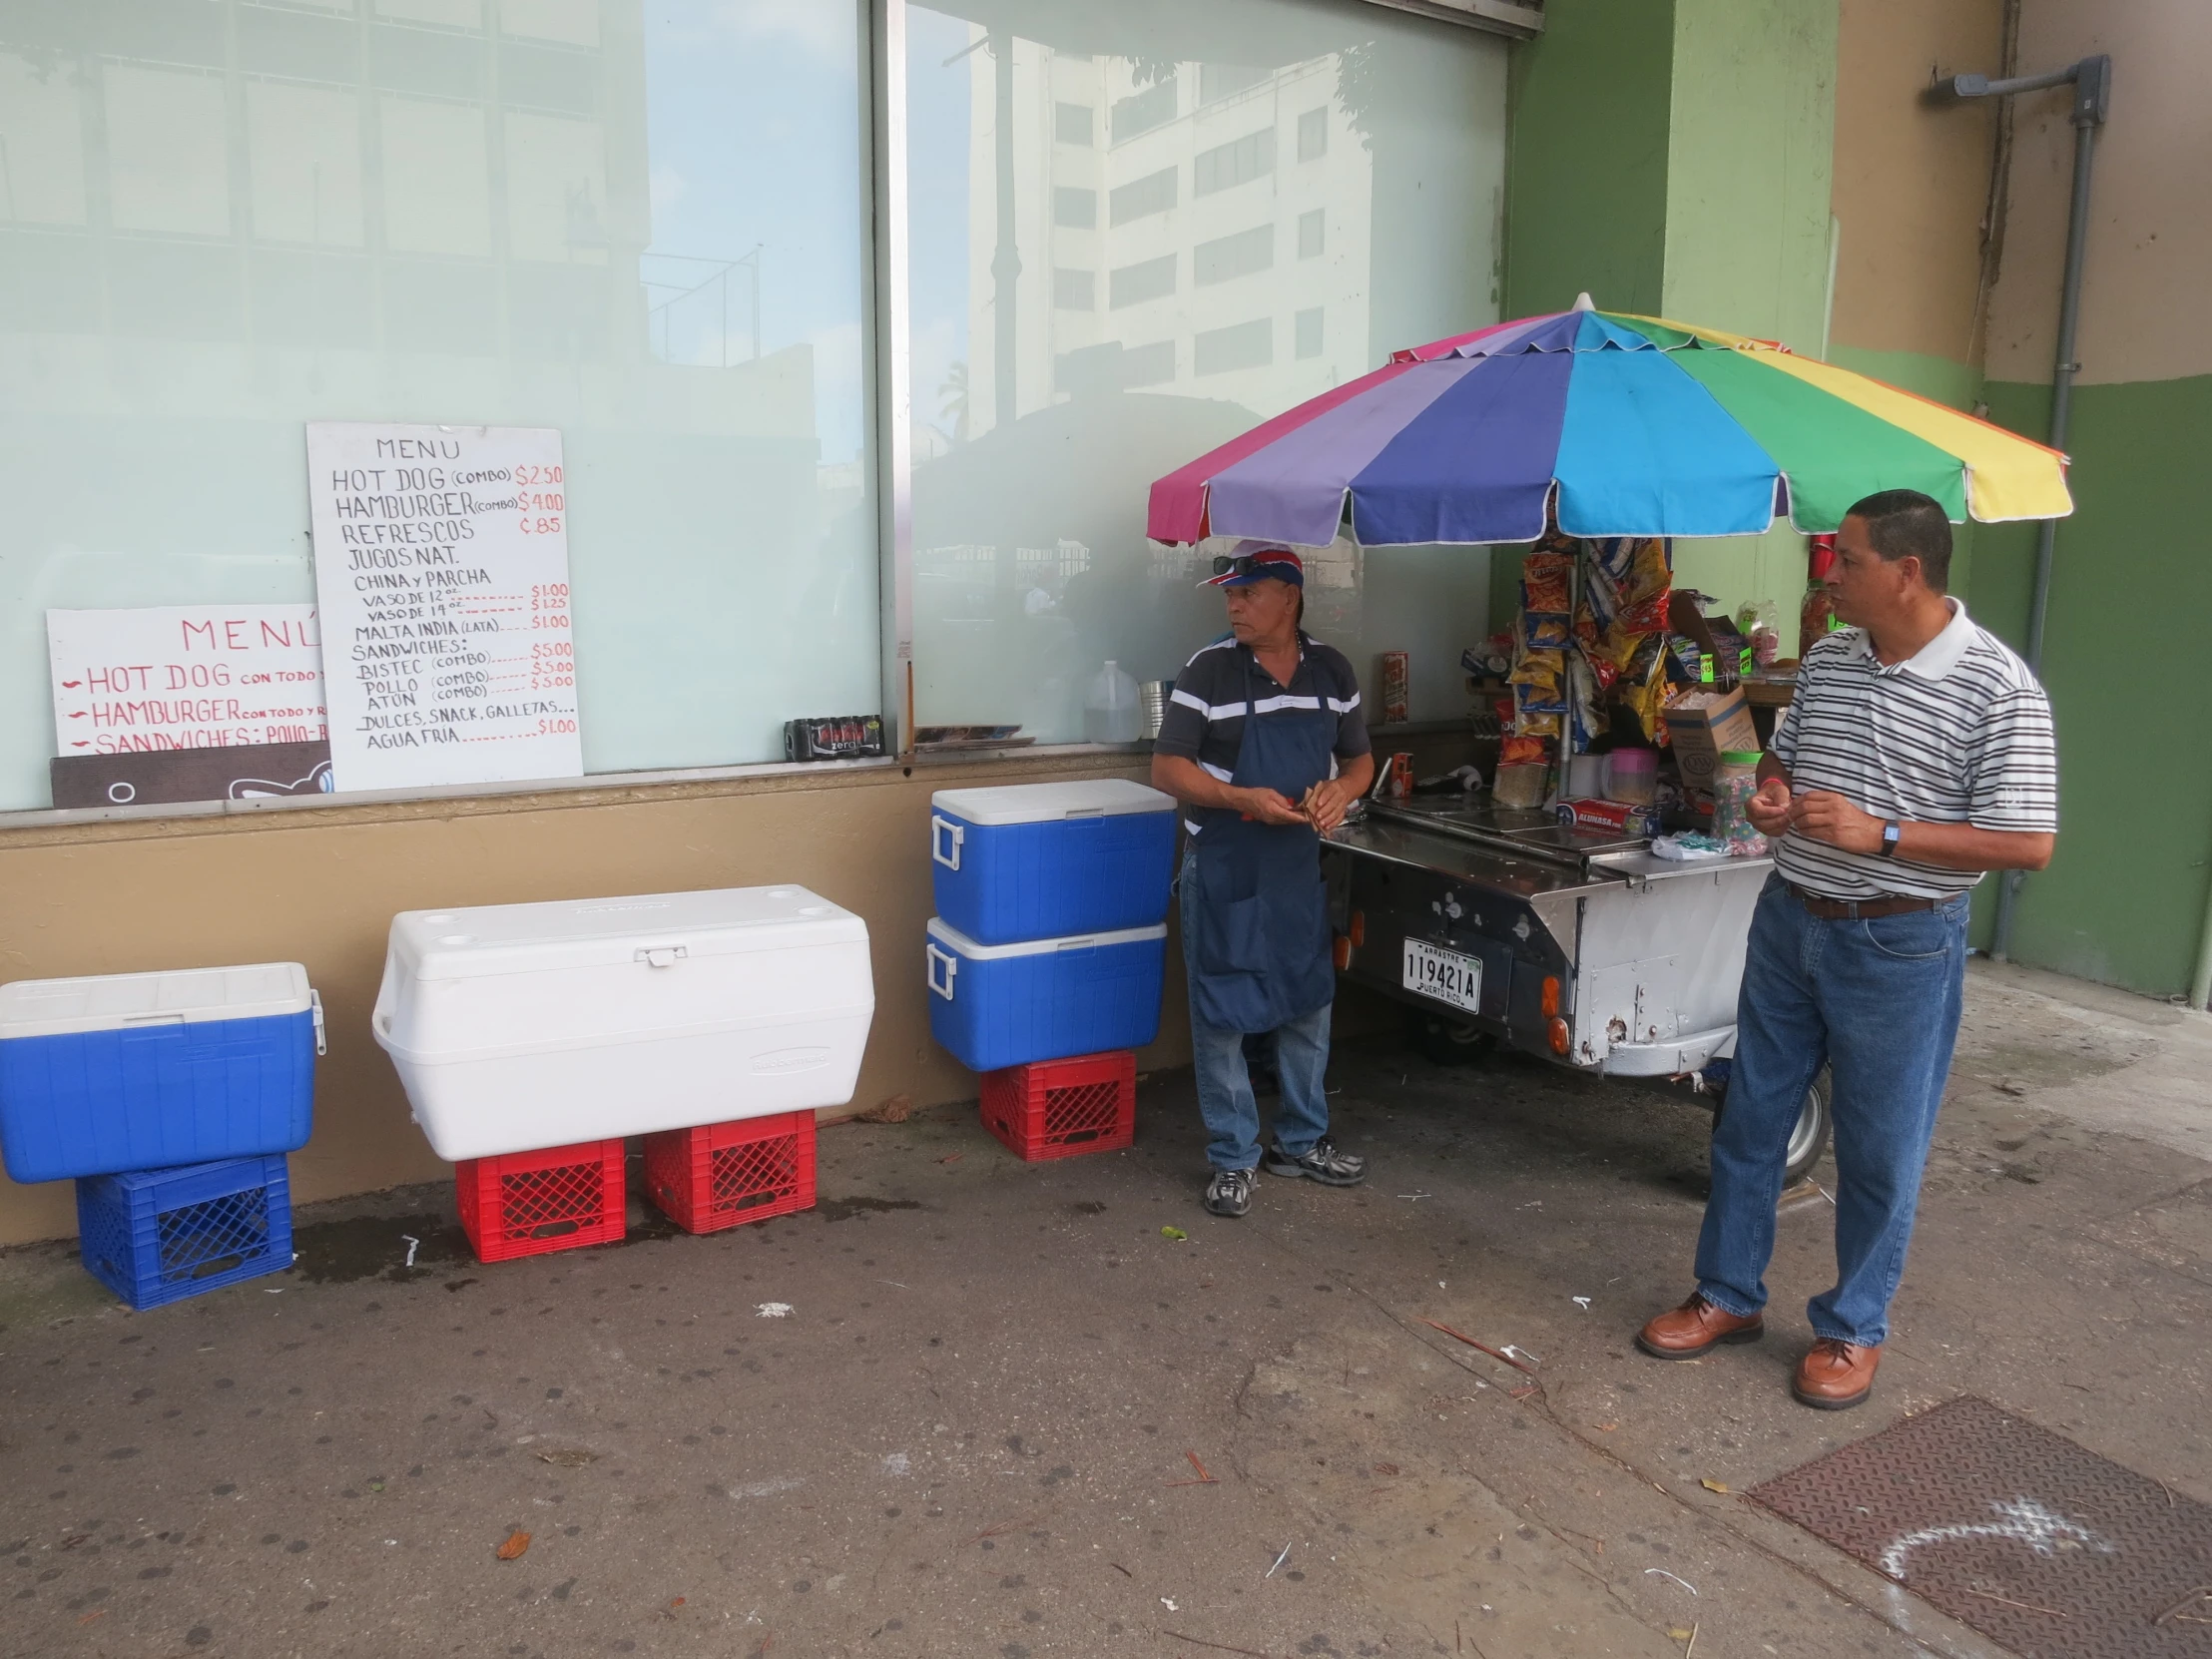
1230, 641
1935, 660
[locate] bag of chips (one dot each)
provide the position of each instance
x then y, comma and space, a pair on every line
1542, 673
1547, 581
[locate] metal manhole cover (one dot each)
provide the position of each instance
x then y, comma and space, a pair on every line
2033, 1541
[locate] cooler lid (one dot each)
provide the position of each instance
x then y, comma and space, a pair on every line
1047, 802
956, 941
173, 996
593, 932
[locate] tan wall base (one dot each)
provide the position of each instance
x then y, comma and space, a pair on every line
320, 885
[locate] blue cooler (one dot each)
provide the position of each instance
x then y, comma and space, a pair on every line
1050, 861
996, 1005
146, 1071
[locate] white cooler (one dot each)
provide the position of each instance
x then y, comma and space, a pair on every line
519, 1026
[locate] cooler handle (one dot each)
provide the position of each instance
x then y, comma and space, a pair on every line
959, 835
951, 968
321, 1037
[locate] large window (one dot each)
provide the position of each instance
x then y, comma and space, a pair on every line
1234, 138
645, 225
640, 224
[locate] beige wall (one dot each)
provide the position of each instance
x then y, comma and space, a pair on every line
1910, 184
321, 884
2150, 238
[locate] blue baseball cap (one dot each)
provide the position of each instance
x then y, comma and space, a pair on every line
1253, 560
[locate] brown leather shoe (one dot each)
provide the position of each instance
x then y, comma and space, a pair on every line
1696, 1328
1835, 1376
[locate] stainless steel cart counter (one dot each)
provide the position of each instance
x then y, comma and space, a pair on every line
1583, 949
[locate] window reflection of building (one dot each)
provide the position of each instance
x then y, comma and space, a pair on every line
452, 176
1158, 253
221, 219
1212, 220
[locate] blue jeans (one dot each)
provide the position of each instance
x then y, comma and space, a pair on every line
1878, 1000
1225, 1081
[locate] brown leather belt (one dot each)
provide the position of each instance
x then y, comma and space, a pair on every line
1861, 909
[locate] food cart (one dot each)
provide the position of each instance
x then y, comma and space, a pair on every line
1507, 926
1504, 927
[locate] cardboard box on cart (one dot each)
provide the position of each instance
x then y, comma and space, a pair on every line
1705, 725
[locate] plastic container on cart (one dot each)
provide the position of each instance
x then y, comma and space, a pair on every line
1632, 774
1734, 783
1046, 861
517, 1026
145, 1071
998, 1005
160, 1235
1521, 785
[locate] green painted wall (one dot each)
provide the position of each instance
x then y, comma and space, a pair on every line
1750, 164
1586, 186
1673, 157
2127, 666
1750, 168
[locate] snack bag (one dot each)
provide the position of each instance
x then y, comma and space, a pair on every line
1541, 674
1586, 717
1546, 581
1547, 632
1643, 687
1647, 587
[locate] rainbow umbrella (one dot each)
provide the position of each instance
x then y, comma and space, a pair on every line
1623, 425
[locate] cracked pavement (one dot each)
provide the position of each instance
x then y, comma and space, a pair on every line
1008, 1416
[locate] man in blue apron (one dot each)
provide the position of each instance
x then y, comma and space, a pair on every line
1265, 744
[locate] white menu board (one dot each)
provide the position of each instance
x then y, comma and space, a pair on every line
441, 559
169, 677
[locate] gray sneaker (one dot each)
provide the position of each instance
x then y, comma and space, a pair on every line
1230, 1192
1321, 1162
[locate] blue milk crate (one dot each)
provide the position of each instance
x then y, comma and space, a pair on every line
161, 1235
135, 1071
1049, 860
998, 1005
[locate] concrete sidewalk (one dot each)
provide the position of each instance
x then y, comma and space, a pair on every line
979, 1428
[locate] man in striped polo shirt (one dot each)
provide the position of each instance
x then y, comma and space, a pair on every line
1915, 756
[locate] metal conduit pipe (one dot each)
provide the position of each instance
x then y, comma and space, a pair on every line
2091, 80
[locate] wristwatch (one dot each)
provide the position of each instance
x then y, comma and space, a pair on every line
1892, 833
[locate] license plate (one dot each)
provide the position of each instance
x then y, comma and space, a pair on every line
1446, 975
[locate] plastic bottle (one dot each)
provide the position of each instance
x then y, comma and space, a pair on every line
1110, 712
1734, 783
1818, 614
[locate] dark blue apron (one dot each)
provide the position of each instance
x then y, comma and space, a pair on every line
1261, 957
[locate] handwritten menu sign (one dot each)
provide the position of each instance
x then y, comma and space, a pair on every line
441, 557
185, 676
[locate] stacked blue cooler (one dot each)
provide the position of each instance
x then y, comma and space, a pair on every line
171, 1099
1050, 938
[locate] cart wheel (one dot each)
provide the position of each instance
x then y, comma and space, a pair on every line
1445, 1041
1808, 1136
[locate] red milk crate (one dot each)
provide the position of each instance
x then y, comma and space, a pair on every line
527, 1203
724, 1174
1058, 1108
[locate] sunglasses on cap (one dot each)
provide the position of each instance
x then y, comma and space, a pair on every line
1275, 563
